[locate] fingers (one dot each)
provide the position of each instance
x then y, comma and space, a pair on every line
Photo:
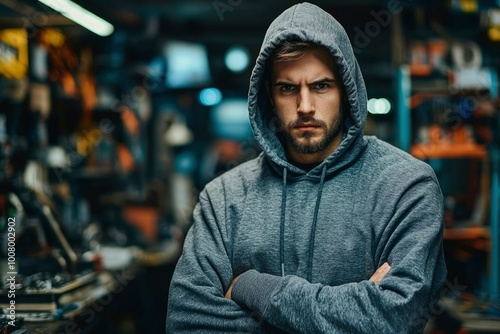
380, 273
230, 289
228, 292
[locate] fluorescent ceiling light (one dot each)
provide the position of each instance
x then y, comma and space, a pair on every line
81, 16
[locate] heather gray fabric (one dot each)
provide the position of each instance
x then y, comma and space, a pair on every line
373, 202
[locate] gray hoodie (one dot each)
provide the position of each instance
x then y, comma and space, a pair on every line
307, 242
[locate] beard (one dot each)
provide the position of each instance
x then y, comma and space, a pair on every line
310, 146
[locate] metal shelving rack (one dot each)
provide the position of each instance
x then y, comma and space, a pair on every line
404, 137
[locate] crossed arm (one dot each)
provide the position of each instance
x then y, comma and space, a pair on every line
376, 278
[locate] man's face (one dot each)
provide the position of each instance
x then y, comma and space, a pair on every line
308, 97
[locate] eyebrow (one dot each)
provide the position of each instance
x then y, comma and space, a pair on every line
286, 83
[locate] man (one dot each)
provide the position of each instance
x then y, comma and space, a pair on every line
291, 241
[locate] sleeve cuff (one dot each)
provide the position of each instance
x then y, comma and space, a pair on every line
253, 290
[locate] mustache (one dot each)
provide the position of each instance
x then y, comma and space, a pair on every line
306, 120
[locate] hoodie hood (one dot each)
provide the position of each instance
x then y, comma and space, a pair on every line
308, 22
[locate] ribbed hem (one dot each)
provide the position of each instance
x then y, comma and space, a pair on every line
253, 290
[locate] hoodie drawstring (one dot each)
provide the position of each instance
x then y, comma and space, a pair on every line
282, 224
312, 238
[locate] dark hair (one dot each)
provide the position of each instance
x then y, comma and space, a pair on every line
293, 50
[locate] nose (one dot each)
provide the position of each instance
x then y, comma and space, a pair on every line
305, 102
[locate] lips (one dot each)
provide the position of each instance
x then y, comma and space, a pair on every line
306, 123
306, 127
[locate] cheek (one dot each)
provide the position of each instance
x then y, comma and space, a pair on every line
333, 99
284, 110
284, 118
284, 103
329, 106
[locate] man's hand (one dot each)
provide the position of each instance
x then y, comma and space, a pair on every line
230, 289
380, 273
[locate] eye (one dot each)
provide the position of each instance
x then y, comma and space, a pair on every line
322, 86
287, 88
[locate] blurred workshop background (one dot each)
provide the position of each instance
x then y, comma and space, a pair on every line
114, 114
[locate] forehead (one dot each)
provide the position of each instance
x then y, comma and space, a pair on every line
314, 63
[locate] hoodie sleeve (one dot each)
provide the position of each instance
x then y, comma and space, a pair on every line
411, 243
196, 297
